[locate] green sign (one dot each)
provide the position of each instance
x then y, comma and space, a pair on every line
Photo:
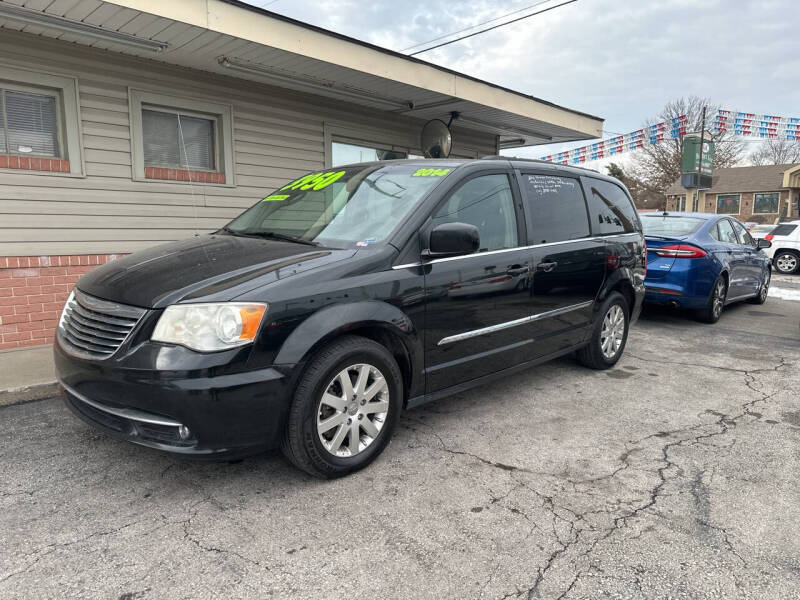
691, 155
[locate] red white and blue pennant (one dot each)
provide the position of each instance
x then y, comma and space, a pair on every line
746, 124
653, 134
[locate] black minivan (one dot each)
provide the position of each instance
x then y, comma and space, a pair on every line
314, 318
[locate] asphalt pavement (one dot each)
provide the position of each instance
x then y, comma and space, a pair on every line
675, 475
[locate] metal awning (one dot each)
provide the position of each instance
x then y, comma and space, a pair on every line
231, 38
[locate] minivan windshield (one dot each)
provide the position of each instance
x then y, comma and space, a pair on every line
670, 226
341, 207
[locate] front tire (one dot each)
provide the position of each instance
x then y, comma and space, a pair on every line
716, 302
345, 408
609, 334
786, 262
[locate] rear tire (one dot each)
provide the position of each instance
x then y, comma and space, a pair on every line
609, 334
763, 291
716, 302
345, 408
786, 262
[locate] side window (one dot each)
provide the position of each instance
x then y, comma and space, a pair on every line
557, 208
744, 237
726, 233
610, 209
487, 203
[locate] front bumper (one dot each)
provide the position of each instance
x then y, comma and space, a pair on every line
143, 398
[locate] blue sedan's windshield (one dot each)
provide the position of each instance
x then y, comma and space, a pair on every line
670, 226
342, 206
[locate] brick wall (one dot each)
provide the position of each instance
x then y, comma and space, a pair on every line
33, 290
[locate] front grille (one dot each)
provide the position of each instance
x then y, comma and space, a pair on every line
95, 328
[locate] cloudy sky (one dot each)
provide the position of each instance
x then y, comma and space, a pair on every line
617, 59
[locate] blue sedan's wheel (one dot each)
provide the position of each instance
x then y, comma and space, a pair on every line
763, 291
716, 302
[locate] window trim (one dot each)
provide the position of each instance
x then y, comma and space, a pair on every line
777, 212
223, 114
68, 114
716, 204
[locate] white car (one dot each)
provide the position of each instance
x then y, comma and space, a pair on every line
785, 250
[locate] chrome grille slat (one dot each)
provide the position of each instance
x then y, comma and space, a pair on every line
87, 345
73, 314
95, 328
90, 314
90, 339
115, 339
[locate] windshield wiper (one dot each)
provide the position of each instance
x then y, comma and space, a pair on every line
274, 236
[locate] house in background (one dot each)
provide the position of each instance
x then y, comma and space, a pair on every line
758, 194
129, 123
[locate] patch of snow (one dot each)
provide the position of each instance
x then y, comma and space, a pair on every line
784, 293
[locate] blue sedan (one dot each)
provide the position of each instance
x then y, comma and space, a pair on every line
703, 262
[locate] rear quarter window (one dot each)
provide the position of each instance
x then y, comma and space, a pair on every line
610, 210
783, 230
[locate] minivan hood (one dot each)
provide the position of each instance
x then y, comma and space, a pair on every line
207, 267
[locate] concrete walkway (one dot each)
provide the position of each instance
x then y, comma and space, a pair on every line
26, 374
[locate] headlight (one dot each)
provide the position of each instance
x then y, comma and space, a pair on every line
209, 327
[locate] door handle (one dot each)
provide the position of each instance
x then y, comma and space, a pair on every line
547, 267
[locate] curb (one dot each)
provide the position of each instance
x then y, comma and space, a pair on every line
29, 393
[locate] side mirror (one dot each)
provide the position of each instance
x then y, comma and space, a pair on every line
452, 239
762, 243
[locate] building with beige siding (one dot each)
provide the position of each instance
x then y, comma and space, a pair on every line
130, 123
762, 194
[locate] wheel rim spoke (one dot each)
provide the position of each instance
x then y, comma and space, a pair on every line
378, 386
369, 428
376, 407
331, 422
338, 438
334, 401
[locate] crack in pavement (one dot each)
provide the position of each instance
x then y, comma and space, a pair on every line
579, 528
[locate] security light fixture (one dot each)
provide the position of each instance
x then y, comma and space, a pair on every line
48, 21
299, 81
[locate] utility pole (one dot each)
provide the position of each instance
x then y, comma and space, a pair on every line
696, 203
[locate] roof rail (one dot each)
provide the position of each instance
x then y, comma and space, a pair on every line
536, 160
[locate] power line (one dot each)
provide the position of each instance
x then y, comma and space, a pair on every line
544, 10
446, 35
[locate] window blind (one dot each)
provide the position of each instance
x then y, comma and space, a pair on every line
177, 141
29, 124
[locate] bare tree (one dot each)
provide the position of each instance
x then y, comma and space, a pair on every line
776, 152
658, 166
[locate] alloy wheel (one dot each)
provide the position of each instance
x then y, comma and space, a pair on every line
786, 262
352, 410
613, 331
764, 287
718, 302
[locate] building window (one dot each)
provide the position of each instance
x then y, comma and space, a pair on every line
181, 140
728, 204
681, 203
39, 122
766, 203
345, 154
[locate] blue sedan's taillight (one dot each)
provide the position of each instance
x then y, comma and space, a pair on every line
680, 251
